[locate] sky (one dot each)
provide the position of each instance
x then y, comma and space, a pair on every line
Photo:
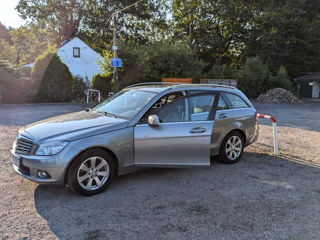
8, 15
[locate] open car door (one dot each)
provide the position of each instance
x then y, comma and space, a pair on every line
182, 138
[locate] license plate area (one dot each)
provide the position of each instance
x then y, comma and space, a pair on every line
16, 159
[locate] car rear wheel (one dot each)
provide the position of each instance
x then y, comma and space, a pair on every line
91, 172
231, 148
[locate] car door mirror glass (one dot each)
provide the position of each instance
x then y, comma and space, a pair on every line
153, 120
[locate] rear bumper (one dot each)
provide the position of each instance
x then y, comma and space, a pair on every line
254, 137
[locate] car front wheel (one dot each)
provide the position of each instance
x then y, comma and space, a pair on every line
91, 172
231, 148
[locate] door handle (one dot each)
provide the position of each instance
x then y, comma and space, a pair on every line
223, 115
198, 130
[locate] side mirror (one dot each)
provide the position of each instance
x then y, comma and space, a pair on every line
153, 120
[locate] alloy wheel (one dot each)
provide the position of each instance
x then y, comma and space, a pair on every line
93, 173
233, 147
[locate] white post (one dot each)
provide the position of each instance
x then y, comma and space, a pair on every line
275, 141
99, 97
87, 93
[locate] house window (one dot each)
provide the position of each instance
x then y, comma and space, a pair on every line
76, 52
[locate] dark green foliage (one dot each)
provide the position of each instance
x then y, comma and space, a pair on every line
182, 38
52, 80
281, 80
253, 77
102, 83
15, 84
152, 62
220, 72
287, 33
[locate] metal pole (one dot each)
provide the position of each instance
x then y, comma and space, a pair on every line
275, 141
115, 55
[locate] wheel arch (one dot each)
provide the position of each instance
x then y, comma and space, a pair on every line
113, 155
243, 134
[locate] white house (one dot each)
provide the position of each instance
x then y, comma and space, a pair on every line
81, 59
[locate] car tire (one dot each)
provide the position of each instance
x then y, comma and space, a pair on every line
91, 172
231, 148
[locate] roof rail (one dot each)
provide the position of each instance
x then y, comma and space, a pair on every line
219, 85
152, 83
174, 83
209, 85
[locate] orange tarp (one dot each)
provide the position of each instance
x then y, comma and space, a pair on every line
177, 80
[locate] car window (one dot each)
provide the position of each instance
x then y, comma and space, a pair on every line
165, 100
200, 106
173, 112
125, 104
236, 101
222, 104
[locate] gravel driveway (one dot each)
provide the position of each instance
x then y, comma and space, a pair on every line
261, 197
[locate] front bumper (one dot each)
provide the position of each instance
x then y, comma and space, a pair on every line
28, 167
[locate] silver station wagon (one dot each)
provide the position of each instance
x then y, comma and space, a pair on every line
144, 125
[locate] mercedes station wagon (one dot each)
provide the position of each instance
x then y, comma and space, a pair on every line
144, 125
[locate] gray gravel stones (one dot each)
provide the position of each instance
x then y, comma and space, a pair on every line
278, 95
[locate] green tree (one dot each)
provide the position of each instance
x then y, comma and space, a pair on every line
215, 29
29, 41
253, 77
281, 80
62, 18
286, 33
51, 78
7, 52
154, 61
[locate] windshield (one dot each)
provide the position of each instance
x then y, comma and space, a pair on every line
125, 104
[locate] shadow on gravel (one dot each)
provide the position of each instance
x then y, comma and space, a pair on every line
243, 200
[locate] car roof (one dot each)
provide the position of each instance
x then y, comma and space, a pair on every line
160, 87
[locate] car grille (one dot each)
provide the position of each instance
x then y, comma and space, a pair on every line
24, 146
24, 170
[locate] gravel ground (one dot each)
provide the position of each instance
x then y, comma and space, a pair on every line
261, 197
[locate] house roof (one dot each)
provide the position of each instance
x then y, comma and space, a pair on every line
309, 77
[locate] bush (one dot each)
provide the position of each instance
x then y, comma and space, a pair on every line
51, 78
102, 83
253, 77
220, 72
15, 84
281, 80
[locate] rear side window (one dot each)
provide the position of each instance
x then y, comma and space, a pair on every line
200, 107
236, 101
222, 104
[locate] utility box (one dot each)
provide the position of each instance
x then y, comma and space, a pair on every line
228, 82
177, 80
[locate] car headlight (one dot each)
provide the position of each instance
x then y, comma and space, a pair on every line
51, 148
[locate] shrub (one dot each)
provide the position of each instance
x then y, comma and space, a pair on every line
253, 77
220, 72
102, 83
51, 78
15, 84
281, 80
